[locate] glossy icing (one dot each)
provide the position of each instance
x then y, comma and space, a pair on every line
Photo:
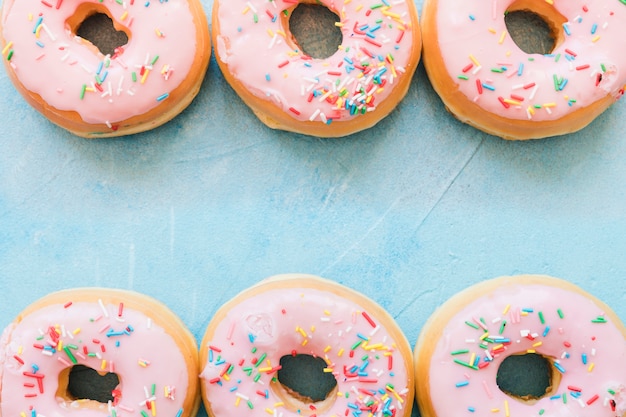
47, 341
51, 61
490, 69
248, 343
590, 353
377, 43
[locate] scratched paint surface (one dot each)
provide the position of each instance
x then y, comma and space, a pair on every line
409, 212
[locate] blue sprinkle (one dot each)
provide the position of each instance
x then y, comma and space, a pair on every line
40, 44
520, 69
471, 409
594, 28
566, 29
559, 367
563, 84
472, 17
584, 358
267, 77
546, 331
489, 87
462, 384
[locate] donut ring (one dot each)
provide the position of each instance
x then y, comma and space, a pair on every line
110, 331
350, 91
289, 315
484, 79
466, 341
144, 84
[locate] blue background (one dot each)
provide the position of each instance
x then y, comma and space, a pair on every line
409, 212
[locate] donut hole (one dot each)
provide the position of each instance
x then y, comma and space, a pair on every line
535, 28
304, 384
314, 31
94, 24
81, 383
527, 377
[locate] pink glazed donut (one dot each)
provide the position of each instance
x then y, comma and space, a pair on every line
144, 84
345, 93
291, 316
108, 333
466, 342
487, 81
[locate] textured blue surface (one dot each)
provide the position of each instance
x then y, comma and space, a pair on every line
409, 212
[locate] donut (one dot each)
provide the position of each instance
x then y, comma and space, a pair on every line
348, 348
571, 346
139, 358
140, 86
360, 84
487, 81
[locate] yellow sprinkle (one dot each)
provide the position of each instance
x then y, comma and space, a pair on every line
506, 309
301, 331
30, 17
359, 7
7, 47
103, 365
524, 313
495, 410
531, 110
326, 312
390, 14
484, 336
153, 408
328, 370
165, 68
506, 409
265, 369
145, 76
20, 350
246, 10
313, 329
38, 31
60, 345
76, 331
304, 342
339, 24
269, 411
595, 38
472, 358
549, 104
270, 32
531, 351
502, 37
474, 60
226, 377
124, 15
340, 352
496, 347
279, 404
237, 401
327, 349
550, 2
591, 366
22, 414
492, 30
537, 344
374, 346
281, 33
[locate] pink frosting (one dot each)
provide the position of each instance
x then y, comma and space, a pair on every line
589, 350
139, 351
256, 333
56, 64
588, 66
376, 48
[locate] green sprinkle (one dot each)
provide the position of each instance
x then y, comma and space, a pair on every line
556, 82
599, 319
154, 60
543, 321
376, 6
603, 67
541, 412
256, 18
470, 324
254, 349
557, 57
143, 412
82, 91
502, 325
356, 345
459, 352
10, 55
610, 391
134, 76
231, 368
70, 355
564, 398
257, 377
261, 359
498, 70
250, 405
467, 365
560, 312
